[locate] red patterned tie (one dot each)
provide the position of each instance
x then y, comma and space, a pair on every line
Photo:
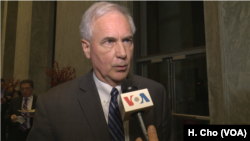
23, 126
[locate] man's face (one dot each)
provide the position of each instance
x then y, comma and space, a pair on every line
110, 48
26, 90
2, 85
11, 87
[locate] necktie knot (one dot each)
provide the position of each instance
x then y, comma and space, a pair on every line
114, 93
25, 103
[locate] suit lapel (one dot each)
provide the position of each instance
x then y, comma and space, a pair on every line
18, 105
91, 105
20, 102
34, 102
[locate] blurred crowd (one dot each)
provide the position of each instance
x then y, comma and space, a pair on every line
11, 87
12, 101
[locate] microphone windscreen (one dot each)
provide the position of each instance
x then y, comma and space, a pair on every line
128, 85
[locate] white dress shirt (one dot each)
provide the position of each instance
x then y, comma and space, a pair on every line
104, 91
29, 106
2, 93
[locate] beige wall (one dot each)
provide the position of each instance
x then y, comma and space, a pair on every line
68, 48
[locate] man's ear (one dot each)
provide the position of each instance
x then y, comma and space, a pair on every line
86, 48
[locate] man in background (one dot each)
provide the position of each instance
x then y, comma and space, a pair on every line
19, 108
86, 108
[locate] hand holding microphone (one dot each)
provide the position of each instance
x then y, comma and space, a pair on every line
152, 134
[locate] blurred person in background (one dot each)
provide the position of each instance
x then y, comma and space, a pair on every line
5, 99
19, 131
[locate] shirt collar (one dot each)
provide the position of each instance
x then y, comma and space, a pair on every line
104, 87
30, 97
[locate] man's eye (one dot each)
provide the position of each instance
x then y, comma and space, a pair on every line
109, 41
128, 41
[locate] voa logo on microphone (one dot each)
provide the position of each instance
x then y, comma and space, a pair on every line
135, 97
142, 98
131, 102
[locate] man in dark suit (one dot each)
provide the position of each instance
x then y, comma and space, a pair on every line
80, 109
26, 102
5, 99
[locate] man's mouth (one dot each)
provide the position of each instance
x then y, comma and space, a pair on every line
121, 68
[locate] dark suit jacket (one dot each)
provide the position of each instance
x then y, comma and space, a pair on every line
16, 104
73, 112
4, 106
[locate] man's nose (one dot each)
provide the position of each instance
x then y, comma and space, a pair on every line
121, 51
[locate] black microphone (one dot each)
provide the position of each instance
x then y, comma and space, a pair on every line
133, 107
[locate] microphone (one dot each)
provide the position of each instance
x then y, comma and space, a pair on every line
134, 103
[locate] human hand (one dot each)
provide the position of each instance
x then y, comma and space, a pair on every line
9, 97
152, 135
13, 118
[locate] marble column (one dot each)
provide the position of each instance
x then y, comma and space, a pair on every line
41, 43
228, 61
4, 8
9, 40
34, 42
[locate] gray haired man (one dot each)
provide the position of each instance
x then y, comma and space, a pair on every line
84, 108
